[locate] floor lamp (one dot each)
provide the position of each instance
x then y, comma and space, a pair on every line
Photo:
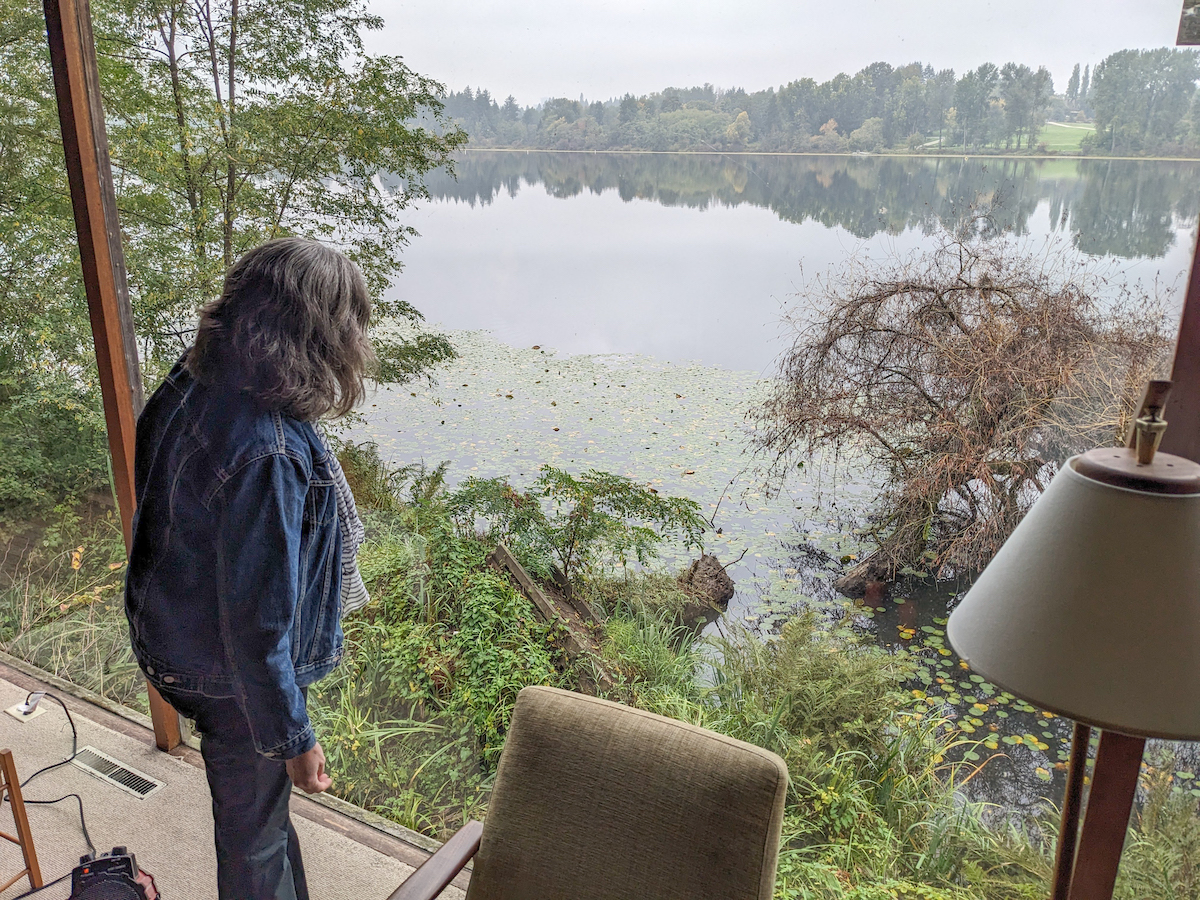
1091, 610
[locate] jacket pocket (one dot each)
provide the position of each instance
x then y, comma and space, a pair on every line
320, 503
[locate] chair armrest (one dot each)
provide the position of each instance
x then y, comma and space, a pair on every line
439, 870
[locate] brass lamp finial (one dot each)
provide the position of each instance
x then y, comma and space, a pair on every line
1149, 425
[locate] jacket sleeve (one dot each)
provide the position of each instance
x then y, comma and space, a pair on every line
258, 560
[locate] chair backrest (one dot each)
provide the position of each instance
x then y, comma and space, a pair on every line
598, 801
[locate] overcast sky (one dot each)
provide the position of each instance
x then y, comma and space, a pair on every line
537, 49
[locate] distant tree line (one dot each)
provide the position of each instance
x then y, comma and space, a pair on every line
1140, 101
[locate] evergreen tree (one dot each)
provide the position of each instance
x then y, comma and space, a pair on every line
629, 108
1073, 87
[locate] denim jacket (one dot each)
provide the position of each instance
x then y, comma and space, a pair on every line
234, 576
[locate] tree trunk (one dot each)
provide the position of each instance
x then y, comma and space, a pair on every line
231, 143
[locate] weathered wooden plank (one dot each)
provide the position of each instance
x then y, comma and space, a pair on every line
577, 640
503, 559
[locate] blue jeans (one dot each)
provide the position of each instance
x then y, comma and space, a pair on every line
258, 854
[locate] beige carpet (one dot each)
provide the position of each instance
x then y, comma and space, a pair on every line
169, 831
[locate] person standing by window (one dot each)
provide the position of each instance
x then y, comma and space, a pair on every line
233, 592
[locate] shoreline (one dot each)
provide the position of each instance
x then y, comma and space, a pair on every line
943, 155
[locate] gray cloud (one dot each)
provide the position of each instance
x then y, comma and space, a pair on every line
602, 48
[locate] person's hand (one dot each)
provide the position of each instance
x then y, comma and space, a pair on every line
307, 771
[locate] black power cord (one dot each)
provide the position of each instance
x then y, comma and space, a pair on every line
82, 822
48, 884
74, 753
74, 739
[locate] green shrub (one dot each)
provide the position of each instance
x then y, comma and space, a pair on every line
592, 518
55, 449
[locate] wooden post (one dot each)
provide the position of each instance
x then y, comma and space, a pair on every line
1182, 411
93, 198
1119, 757
24, 837
1114, 783
1068, 831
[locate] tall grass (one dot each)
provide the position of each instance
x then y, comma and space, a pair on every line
62, 605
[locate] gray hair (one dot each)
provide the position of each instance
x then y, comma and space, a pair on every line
290, 328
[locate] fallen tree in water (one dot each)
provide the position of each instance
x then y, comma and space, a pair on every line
966, 374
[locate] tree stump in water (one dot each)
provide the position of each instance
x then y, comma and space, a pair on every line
711, 588
872, 578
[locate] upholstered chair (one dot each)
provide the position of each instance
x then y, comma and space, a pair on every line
594, 800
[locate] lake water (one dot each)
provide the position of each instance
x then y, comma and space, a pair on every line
693, 257
623, 312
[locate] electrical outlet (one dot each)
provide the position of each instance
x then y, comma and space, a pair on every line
17, 713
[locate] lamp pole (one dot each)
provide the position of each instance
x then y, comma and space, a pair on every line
1090, 871
1068, 831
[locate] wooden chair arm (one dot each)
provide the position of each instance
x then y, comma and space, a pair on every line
439, 870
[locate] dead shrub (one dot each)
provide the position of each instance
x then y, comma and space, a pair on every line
967, 373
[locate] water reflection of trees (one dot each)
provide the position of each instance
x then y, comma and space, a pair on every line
1123, 208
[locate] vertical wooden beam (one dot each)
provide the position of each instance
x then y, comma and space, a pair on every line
12, 787
1183, 406
93, 198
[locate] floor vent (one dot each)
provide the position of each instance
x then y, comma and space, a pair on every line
115, 773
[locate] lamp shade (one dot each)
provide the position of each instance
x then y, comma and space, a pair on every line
1091, 609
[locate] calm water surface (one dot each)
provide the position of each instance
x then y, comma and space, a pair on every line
694, 257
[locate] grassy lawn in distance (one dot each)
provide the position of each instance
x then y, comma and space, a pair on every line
1063, 138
